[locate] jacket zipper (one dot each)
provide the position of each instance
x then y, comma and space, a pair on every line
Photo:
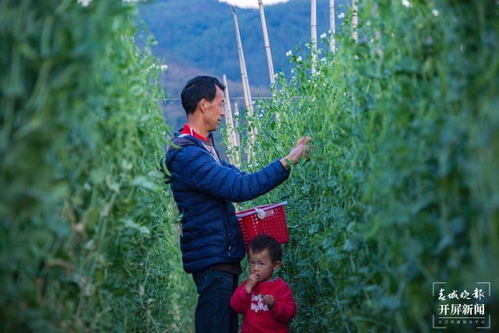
227, 233
227, 230
226, 215
226, 222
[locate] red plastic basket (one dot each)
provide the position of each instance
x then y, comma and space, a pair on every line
272, 222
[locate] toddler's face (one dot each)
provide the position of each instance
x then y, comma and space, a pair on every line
261, 264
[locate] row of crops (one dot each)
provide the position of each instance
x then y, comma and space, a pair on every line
87, 234
403, 187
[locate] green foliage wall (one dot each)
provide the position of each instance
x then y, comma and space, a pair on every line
402, 189
87, 234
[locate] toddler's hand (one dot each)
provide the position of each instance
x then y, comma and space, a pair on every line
251, 282
268, 300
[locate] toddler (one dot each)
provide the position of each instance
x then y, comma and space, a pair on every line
266, 302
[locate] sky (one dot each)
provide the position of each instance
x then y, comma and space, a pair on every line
238, 3
251, 3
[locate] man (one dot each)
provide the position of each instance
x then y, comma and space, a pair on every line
204, 187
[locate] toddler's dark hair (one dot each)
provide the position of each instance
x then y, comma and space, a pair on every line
265, 242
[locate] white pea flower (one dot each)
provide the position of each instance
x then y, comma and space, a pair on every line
289, 53
406, 3
435, 12
342, 15
164, 68
84, 3
299, 59
323, 36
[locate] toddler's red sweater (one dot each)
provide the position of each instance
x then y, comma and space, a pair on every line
257, 316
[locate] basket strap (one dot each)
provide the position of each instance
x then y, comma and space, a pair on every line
260, 213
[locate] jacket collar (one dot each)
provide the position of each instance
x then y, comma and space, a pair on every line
195, 139
189, 131
200, 142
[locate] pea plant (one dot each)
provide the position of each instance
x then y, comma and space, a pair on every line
402, 187
87, 227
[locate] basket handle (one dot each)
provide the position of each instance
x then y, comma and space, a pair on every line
268, 207
261, 208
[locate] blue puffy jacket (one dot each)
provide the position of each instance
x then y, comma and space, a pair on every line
204, 191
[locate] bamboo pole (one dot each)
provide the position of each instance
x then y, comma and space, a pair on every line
242, 64
332, 27
313, 33
236, 123
355, 20
231, 130
245, 82
228, 113
229, 123
266, 41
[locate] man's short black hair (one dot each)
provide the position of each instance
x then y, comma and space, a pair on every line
265, 242
198, 88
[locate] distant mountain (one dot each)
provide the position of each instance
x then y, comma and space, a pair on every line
197, 37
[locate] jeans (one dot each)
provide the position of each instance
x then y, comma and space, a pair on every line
213, 311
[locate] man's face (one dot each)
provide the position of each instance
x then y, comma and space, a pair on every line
214, 111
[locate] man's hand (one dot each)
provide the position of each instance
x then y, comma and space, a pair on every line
268, 300
301, 148
251, 282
